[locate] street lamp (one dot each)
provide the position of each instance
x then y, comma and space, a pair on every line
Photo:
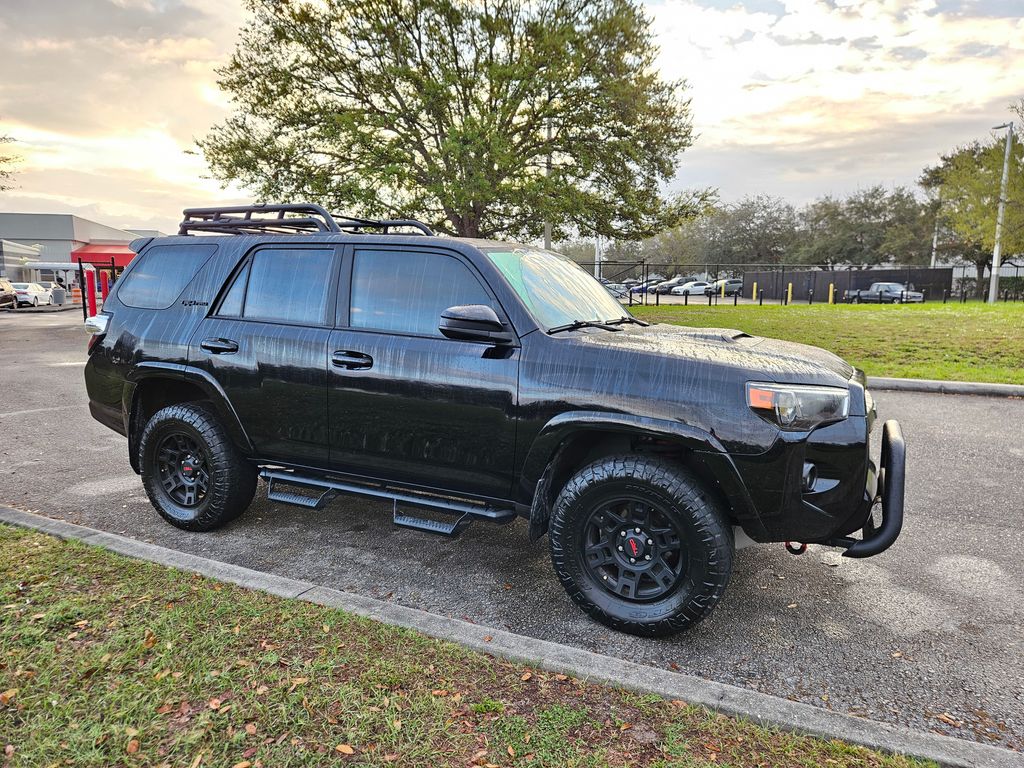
993, 285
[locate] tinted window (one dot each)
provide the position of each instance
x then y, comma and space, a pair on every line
289, 285
407, 291
162, 275
232, 304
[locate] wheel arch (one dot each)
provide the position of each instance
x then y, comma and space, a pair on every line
572, 440
155, 386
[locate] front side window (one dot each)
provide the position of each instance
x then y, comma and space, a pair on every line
406, 291
286, 285
555, 289
161, 276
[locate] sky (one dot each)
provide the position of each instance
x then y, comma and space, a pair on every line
794, 98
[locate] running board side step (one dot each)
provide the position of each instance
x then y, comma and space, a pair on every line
467, 512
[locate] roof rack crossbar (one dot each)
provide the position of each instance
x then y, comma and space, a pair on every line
307, 217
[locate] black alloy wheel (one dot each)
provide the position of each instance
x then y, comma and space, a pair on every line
182, 466
633, 549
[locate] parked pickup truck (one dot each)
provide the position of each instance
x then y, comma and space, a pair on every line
884, 293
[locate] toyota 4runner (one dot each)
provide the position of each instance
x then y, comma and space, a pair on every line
471, 380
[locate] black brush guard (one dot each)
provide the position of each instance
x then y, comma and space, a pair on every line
891, 476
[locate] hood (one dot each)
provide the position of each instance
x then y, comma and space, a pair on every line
768, 359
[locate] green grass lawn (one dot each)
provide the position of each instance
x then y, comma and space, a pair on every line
971, 342
109, 661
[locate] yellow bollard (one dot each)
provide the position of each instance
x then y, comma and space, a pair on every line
831, 293
753, 294
789, 294
723, 289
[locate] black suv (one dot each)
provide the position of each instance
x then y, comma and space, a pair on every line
480, 381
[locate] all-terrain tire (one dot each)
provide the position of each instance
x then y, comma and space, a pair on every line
231, 481
677, 497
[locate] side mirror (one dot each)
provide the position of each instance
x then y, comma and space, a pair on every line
474, 322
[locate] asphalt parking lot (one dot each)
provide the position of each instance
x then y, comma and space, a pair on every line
929, 634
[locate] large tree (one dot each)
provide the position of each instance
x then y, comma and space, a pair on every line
453, 111
967, 183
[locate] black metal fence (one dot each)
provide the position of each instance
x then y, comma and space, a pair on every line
809, 283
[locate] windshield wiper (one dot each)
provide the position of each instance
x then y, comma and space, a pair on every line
577, 324
627, 319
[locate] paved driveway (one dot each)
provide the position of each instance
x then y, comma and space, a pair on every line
929, 634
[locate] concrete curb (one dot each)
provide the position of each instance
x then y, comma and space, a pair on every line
756, 707
946, 387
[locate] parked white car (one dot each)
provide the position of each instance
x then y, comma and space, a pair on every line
693, 288
32, 294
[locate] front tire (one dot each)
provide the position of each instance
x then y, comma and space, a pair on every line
192, 472
640, 546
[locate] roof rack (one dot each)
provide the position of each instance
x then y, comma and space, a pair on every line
284, 219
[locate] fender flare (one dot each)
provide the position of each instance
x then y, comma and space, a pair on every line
192, 375
706, 449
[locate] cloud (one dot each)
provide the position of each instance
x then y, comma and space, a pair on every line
834, 95
790, 97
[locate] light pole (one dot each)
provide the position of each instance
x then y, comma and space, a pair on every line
993, 285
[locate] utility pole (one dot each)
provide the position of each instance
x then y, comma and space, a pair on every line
597, 256
935, 234
993, 285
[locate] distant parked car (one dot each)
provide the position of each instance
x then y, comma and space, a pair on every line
692, 288
32, 294
667, 285
644, 286
885, 293
618, 290
733, 287
8, 297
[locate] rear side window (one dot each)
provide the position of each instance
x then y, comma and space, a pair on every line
406, 291
158, 280
282, 285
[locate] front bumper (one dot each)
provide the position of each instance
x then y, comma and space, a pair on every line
889, 491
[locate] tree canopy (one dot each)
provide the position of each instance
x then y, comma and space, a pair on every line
967, 183
453, 111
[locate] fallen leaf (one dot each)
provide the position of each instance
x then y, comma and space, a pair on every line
345, 749
250, 728
238, 629
673, 666
487, 638
439, 692
6, 696
327, 627
133, 747
72, 636
243, 764
511, 752
526, 676
561, 677
262, 690
213, 703
949, 719
197, 761
896, 654
149, 640
625, 726
161, 674
791, 605
390, 757
9, 750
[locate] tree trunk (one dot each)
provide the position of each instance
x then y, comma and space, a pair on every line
981, 289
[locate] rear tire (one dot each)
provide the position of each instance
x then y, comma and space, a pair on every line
658, 514
193, 474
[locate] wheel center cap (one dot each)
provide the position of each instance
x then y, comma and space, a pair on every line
635, 546
188, 468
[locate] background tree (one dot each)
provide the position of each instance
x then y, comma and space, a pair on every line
968, 181
871, 227
6, 163
450, 111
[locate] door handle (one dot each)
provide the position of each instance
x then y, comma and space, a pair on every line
219, 346
351, 360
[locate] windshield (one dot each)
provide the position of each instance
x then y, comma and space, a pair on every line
555, 289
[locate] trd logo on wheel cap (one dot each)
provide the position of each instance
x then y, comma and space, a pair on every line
635, 546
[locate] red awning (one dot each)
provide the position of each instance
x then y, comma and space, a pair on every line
100, 255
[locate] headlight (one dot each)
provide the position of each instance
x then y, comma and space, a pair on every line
798, 408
